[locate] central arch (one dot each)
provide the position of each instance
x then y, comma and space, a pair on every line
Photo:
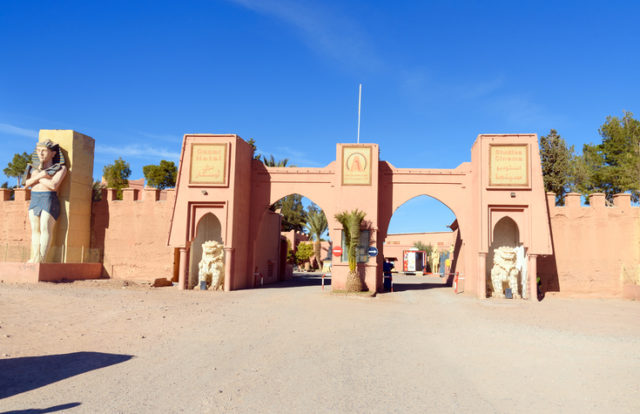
448, 244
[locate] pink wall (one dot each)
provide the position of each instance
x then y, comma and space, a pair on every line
596, 247
15, 230
268, 253
133, 233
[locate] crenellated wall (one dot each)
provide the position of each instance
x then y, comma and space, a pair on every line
133, 233
596, 247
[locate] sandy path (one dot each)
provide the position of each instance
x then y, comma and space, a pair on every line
98, 347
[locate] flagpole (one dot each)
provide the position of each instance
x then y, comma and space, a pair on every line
359, 106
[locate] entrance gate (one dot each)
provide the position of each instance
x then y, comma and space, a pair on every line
219, 176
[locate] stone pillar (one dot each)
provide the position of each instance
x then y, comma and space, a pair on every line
532, 275
183, 268
72, 234
228, 261
481, 288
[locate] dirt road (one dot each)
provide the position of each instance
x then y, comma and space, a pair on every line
101, 347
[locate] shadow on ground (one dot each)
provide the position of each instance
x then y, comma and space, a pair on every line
401, 287
401, 282
300, 280
410, 281
52, 409
18, 375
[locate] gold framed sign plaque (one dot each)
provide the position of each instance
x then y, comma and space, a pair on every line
209, 164
356, 165
509, 165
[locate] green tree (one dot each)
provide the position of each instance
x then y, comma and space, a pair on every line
556, 160
351, 223
161, 176
303, 252
292, 211
252, 142
613, 166
17, 166
316, 225
621, 151
117, 175
290, 258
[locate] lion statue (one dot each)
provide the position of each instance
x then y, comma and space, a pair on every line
211, 267
505, 269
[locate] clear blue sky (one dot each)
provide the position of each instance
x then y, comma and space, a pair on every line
137, 75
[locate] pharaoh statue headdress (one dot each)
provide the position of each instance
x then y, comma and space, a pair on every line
56, 163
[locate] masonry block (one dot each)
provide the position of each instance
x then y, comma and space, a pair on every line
597, 200
150, 195
129, 194
5, 194
551, 199
112, 194
22, 195
572, 200
622, 200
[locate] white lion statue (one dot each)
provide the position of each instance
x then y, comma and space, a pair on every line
211, 267
505, 270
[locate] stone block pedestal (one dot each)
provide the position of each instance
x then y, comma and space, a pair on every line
48, 272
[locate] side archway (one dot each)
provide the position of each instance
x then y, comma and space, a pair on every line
272, 240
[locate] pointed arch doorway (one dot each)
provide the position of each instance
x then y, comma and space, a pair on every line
208, 228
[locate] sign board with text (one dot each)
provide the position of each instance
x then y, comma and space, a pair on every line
509, 165
209, 164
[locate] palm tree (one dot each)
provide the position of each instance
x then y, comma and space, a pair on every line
351, 222
271, 162
316, 226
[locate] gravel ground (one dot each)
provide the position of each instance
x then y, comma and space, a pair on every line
103, 347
